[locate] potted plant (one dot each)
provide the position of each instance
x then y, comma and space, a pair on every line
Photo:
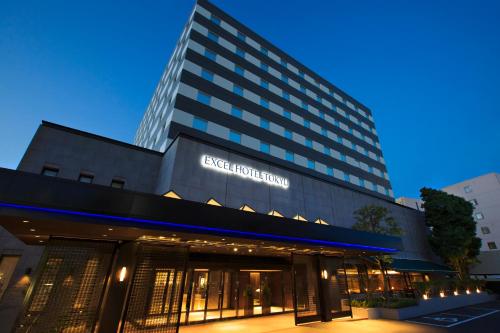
248, 299
266, 299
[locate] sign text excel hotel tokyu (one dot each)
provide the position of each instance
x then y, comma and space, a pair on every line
235, 200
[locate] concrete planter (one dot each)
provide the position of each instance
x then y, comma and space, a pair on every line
424, 307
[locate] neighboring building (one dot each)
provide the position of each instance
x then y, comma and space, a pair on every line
411, 203
225, 217
483, 193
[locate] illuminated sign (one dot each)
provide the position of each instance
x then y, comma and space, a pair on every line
221, 165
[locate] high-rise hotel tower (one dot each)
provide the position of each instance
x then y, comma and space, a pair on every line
226, 84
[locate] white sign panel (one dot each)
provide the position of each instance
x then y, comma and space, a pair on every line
221, 165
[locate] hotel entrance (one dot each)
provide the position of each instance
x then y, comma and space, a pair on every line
236, 291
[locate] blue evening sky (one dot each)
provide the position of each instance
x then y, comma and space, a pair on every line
429, 70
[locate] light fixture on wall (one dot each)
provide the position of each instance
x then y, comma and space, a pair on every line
123, 274
324, 274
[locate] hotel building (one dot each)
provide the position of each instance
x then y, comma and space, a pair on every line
237, 199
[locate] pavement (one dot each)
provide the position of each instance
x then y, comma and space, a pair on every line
483, 318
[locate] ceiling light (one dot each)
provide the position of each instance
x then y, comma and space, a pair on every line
37, 236
104, 235
235, 249
250, 250
110, 229
32, 230
26, 221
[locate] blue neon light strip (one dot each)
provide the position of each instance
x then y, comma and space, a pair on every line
199, 228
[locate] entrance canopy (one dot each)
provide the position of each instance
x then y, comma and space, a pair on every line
65, 208
408, 265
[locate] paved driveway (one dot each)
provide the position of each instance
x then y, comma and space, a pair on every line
483, 318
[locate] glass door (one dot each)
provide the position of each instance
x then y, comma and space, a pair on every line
198, 295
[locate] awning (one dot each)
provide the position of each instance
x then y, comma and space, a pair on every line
408, 265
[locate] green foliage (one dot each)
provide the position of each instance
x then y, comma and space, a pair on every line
248, 291
453, 235
376, 219
381, 302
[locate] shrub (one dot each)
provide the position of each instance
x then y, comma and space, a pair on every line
380, 302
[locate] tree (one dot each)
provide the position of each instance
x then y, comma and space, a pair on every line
453, 229
377, 219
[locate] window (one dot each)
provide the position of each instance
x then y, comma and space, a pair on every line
7, 266
264, 123
301, 74
213, 36
263, 50
264, 66
264, 103
238, 90
265, 147
284, 78
307, 123
467, 189
283, 62
286, 95
200, 124
303, 89
322, 115
353, 146
50, 171
239, 70
318, 98
343, 157
240, 52
117, 183
479, 216
236, 112
289, 156
362, 183
264, 84
287, 114
324, 132
485, 230
235, 136
210, 55
339, 139
311, 164
326, 150
207, 75
329, 171
304, 105
336, 123
492, 245
346, 177
473, 202
241, 36
215, 19
288, 134
309, 143
86, 178
203, 98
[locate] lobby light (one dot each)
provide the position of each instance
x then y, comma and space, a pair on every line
324, 274
123, 274
441, 294
425, 297
478, 290
455, 293
467, 292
